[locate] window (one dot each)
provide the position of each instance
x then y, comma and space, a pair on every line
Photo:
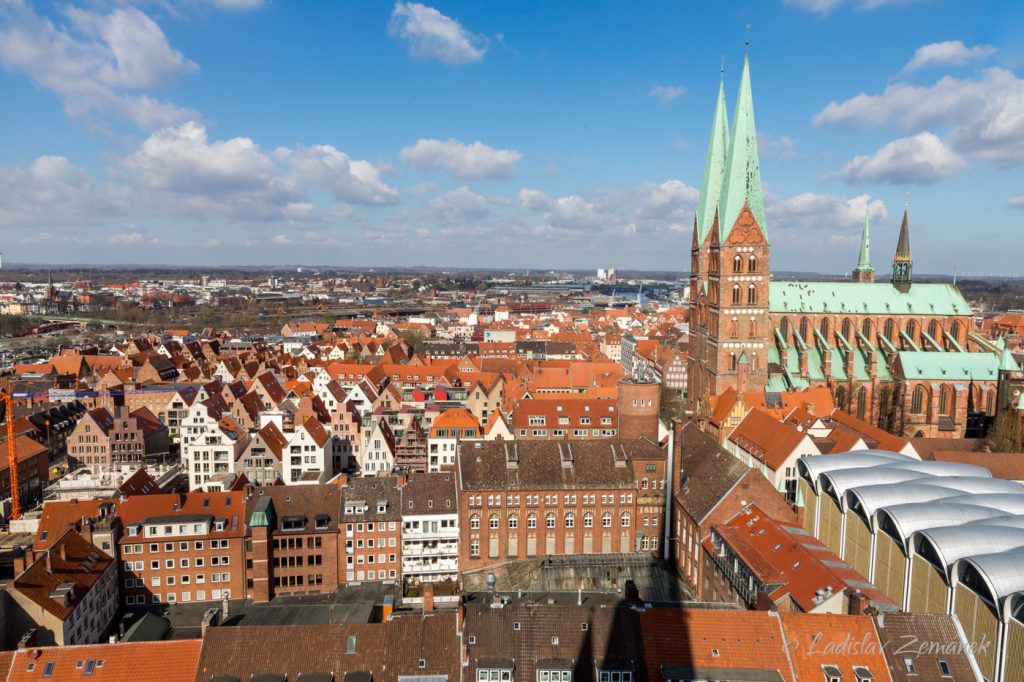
736, 294
752, 294
624, 520
550, 518
513, 521
908, 663
752, 264
493, 522
474, 522
606, 520
493, 675
588, 520
531, 520
737, 264
570, 520
944, 668
917, 402
474, 548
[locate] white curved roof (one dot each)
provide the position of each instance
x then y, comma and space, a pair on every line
1008, 521
976, 484
938, 469
844, 479
909, 518
1002, 571
956, 542
873, 497
1001, 502
812, 467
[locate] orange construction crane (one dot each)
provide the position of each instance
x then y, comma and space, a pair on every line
12, 454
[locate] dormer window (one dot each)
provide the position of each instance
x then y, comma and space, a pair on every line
862, 674
322, 521
832, 673
218, 526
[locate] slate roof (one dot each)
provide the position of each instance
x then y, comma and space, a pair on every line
897, 630
430, 494
371, 491
709, 472
386, 650
308, 501
555, 465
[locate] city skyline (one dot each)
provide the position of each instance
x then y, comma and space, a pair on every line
456, 135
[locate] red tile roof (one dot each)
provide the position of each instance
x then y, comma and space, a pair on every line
172, 661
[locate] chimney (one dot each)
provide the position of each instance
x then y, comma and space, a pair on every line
402, 480
86, 531
49, 563
428, 597
209, 621
29, 639
858, 602
460, 618
388, 608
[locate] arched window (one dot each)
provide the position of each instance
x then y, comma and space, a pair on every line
550, 519
606, 520
737, 264
954, 331
624, 520
752, 264
494, 521
890, 329
588, 520
847, 328
990, 402
474, 522
946, 400
917, 402
823, 327
732, 361
935, 331
531, 520
752, 294
866, 330
841, 397
862, 402
784, 329
736, 294
570, 520
734, 328
513, 521
752, 329
753, 361
805, 329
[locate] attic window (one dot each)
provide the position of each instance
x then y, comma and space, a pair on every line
714, 653
584, 626
472, 639
944, 668
516, 625
554, 641
423, 663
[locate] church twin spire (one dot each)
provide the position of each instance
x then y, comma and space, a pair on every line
732, 171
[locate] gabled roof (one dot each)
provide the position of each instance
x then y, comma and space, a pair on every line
766, 438
71, 565
168, 661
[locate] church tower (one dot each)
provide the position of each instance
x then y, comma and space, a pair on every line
735, 322
864, 272
705, 222
902, 261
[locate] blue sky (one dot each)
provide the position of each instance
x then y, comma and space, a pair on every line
531, 134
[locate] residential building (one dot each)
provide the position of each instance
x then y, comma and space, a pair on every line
446, 431
430, 529
105, 439
372, 518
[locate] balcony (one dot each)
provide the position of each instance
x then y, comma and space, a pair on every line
451, 549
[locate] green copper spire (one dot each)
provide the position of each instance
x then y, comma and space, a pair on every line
864, 262
742, 171
1007, 363
714, 168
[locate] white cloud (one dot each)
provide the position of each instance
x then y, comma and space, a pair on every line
94, 61
826, 7
922, 159
1017, 201
125, 238
782, 148
346, 179
983, 116
460, 204
671, 199
238, 5
667, 93
187, 173
571, 212
823, 211
50, 193
472, 161
947, 53
432, 35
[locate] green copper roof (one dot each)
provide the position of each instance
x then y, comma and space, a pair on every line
864, 262
865, 298
1007, 363
742, 171
714, 168
949, 366
262, 513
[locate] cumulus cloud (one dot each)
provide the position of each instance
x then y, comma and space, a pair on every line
96, 61
947, 53
823, 211
238, 5
571, 212
922, 159
672, 199
346, 179
432, 35
237, 179
782, 148
460, 204
472, 161
1017, 201
50, 192
667, 93
983, 116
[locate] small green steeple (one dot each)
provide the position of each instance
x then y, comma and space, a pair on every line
743, 170
1007, 363
864, 262
714, 167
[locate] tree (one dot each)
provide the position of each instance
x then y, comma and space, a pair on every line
1005, 434
413, 338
